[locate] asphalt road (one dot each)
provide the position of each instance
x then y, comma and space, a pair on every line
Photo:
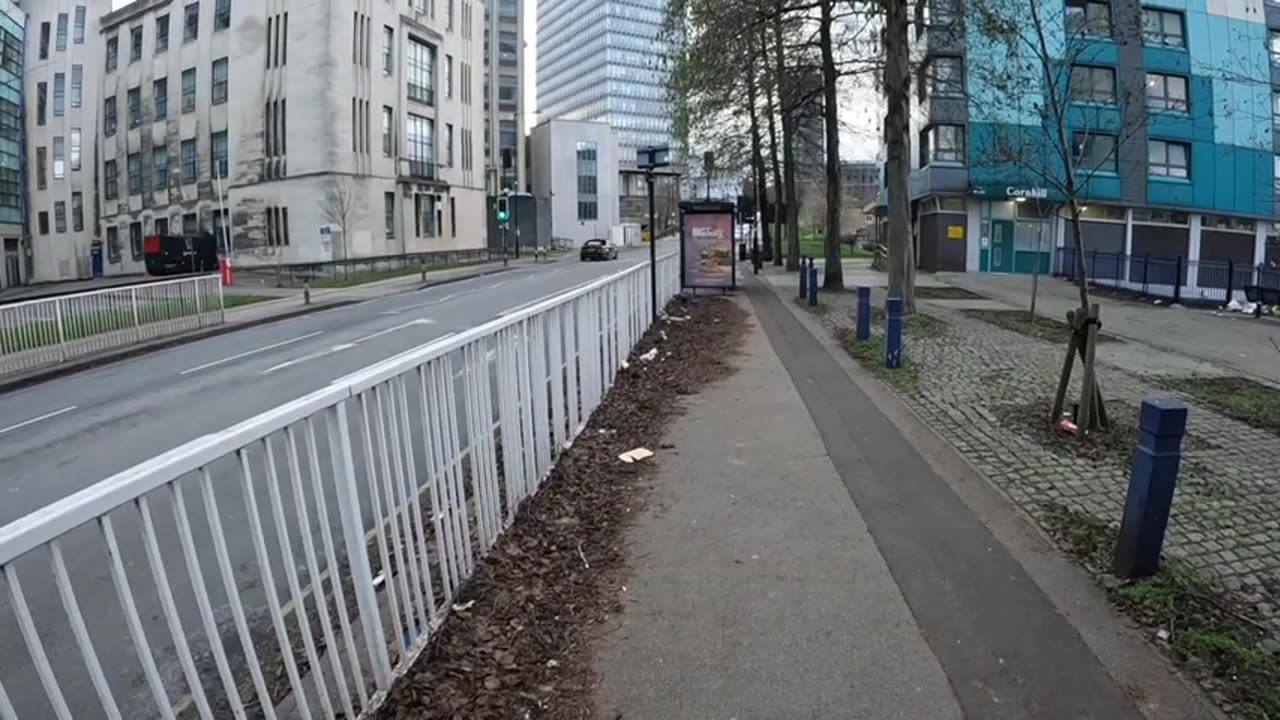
62, 436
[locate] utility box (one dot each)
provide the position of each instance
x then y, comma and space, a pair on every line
625, 235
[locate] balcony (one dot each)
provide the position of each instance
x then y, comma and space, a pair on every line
422, 94
419, 170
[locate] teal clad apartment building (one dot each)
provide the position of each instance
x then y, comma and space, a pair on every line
1164, 110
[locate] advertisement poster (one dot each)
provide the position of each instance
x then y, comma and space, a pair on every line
707, 247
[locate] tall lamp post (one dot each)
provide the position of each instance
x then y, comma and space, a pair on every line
649, 159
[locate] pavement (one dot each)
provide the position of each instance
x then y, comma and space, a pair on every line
816, 549
59, 437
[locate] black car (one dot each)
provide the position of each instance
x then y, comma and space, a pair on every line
178, 254
597, 249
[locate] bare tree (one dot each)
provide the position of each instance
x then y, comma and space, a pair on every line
340, 205
898, 167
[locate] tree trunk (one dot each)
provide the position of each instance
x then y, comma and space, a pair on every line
757, 161
788, 145
833, 271
898, 167
770, 109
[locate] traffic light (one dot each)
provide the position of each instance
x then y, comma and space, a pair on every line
502, 210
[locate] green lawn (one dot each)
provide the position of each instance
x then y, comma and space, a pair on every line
78, 325
367, 276
811, 246
234, 300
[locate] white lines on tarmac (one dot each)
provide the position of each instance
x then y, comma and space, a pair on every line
255, 351
334, 349
35, 420
419, 306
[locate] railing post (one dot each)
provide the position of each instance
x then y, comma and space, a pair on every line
137, 320
1093, 266
1231, 278
864, 313
62, 334
348, 494
893, 333
199, 305
804, 279
1146, 268
1161, 425
1177, 284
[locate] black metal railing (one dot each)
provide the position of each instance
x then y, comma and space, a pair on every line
367, 269
1175, 279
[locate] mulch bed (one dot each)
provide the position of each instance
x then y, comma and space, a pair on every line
522, 647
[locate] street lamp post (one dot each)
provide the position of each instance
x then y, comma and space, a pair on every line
648, 159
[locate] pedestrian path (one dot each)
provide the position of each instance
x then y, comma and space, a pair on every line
804, 556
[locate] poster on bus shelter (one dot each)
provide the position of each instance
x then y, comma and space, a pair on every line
706, 246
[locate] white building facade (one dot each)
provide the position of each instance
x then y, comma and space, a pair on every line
247, 119
575, 173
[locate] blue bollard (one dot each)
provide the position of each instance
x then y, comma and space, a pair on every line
804, 276
1161, 425
813, 283
893, 333
864, 313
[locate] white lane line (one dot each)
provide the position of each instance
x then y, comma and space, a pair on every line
33, 421
310, 356
345, 346
255, 351
544, 298
419, 306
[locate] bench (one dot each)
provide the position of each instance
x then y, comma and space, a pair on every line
1261, 296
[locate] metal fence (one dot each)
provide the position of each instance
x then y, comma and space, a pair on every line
341, 272
309, 552
1174, 279
44, 332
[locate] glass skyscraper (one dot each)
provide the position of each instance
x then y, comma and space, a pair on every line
606, 61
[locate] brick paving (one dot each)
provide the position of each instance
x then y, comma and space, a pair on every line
1226, 516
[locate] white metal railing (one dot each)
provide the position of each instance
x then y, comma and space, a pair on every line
44, 332
325, 538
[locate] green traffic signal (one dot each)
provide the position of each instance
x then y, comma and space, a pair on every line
503, 214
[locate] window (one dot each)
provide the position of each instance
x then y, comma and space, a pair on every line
160, 98
43, 222
61, 43
110, 180
1226, 222
77, 212
219, 89
945, 77
77, 85
189, 90
44, 41
1090, 83
113, 53
42, 167
59, 94
109, 116
448, 77
388, 132
113, 244
448, 144
942, 143
453, 216
388, 49
60, 216
218, 153
508, 48
421, 65
133, 169
162, 34
135, 107
1166, 92
221, 15
508, 92
160, 167
135, 240
78, 37
191, 22
420, 145
588, 185
941, 12
190, 224
1094, 152
1168, 159
1163, 27
59, 157
135, 44
389, 213
190, 165
1164, 217
161, 226
1089, 17
448, 15
1275, 108
507, 133
425, 215
75, 148
42, 99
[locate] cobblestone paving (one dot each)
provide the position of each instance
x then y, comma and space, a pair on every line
1226, 516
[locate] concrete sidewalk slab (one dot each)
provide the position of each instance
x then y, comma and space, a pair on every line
758, 591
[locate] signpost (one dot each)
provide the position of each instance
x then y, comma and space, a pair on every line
706, 246
649, 159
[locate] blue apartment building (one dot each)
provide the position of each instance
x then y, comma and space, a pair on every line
1170, 107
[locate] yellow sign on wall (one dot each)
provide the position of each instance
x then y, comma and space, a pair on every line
955, 232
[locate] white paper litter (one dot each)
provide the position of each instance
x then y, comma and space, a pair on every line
636, 455
625, 364
1162, 634
1235, 306
463, 606
649, 356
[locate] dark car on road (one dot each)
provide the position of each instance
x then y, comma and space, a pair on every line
598, 249
179, 254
